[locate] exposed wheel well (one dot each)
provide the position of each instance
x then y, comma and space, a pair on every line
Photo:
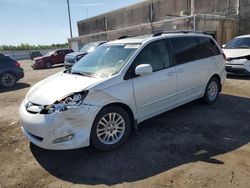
128, 110
219, 79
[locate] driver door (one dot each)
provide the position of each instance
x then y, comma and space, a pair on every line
155, 93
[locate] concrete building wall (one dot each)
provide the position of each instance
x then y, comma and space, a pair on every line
211, 6
131, 16
143, 18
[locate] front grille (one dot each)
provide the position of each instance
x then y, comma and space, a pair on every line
236, 70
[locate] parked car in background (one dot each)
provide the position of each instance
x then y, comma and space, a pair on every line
10, 71
50, 59
72, 58
120, 84
237, 53
35, 54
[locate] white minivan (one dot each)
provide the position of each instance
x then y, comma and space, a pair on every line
124, 82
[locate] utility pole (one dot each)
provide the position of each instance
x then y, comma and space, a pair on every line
69, 19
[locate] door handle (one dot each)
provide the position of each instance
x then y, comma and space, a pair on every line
180, 70
171, 73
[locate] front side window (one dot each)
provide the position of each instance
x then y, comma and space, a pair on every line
238, 43
105, 61
186, 49
156, 54
208, 47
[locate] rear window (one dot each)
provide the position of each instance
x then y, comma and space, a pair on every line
186, 49
208, 46
6, 60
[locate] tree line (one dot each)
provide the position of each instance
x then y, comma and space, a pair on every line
31, 47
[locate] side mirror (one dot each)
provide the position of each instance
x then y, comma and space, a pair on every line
144, 69
223, 46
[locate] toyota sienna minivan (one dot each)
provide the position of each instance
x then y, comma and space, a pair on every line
124, 82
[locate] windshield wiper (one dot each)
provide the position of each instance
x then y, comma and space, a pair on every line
81, 73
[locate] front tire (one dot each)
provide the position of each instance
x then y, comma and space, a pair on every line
212, 91
48, 65
8, 80
111, 128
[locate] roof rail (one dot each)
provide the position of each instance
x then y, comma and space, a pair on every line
159, 33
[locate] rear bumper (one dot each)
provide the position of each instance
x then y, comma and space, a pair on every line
20, 74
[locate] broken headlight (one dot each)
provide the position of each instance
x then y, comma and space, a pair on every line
75, 99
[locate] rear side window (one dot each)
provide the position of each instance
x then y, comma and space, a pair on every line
186, 49
6, 60
208, 46
156, 54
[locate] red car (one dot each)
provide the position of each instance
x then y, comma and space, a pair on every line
51, 58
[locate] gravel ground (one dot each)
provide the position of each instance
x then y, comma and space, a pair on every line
192, 146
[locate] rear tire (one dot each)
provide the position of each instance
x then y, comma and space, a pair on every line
111, 128
212, 91
8, 80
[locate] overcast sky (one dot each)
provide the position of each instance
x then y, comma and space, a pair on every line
46, 21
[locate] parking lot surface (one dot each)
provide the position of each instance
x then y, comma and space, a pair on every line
195, 145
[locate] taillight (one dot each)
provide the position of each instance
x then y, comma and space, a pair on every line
17, 64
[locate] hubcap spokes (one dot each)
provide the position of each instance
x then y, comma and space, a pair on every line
110, 128
212, 90
8, 80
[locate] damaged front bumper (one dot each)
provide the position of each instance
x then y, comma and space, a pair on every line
238, 67
69, 129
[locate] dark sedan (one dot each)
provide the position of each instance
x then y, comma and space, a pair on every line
10, 71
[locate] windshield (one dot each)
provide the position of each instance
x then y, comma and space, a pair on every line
89, 47
106, 61
49, 53
239, 43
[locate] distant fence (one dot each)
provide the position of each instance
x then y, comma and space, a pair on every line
22, 55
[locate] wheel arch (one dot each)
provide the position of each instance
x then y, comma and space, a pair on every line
127, 109
217, 76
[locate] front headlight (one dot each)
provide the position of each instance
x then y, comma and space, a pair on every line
74, 99
70, 101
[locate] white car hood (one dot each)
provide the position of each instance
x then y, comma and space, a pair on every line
58, 86
234, 53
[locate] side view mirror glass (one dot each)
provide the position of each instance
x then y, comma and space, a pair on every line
143, 69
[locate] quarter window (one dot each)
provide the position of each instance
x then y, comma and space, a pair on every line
186, 50
208, 47
156, 54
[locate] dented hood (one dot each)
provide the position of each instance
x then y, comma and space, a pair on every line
234, 53
58, 86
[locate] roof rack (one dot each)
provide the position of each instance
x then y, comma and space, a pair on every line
159, 33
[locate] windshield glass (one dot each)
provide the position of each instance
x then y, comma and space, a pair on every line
239, 43
89, 47
49, 53
106, 61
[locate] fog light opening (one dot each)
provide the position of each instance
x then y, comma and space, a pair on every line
64, 139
